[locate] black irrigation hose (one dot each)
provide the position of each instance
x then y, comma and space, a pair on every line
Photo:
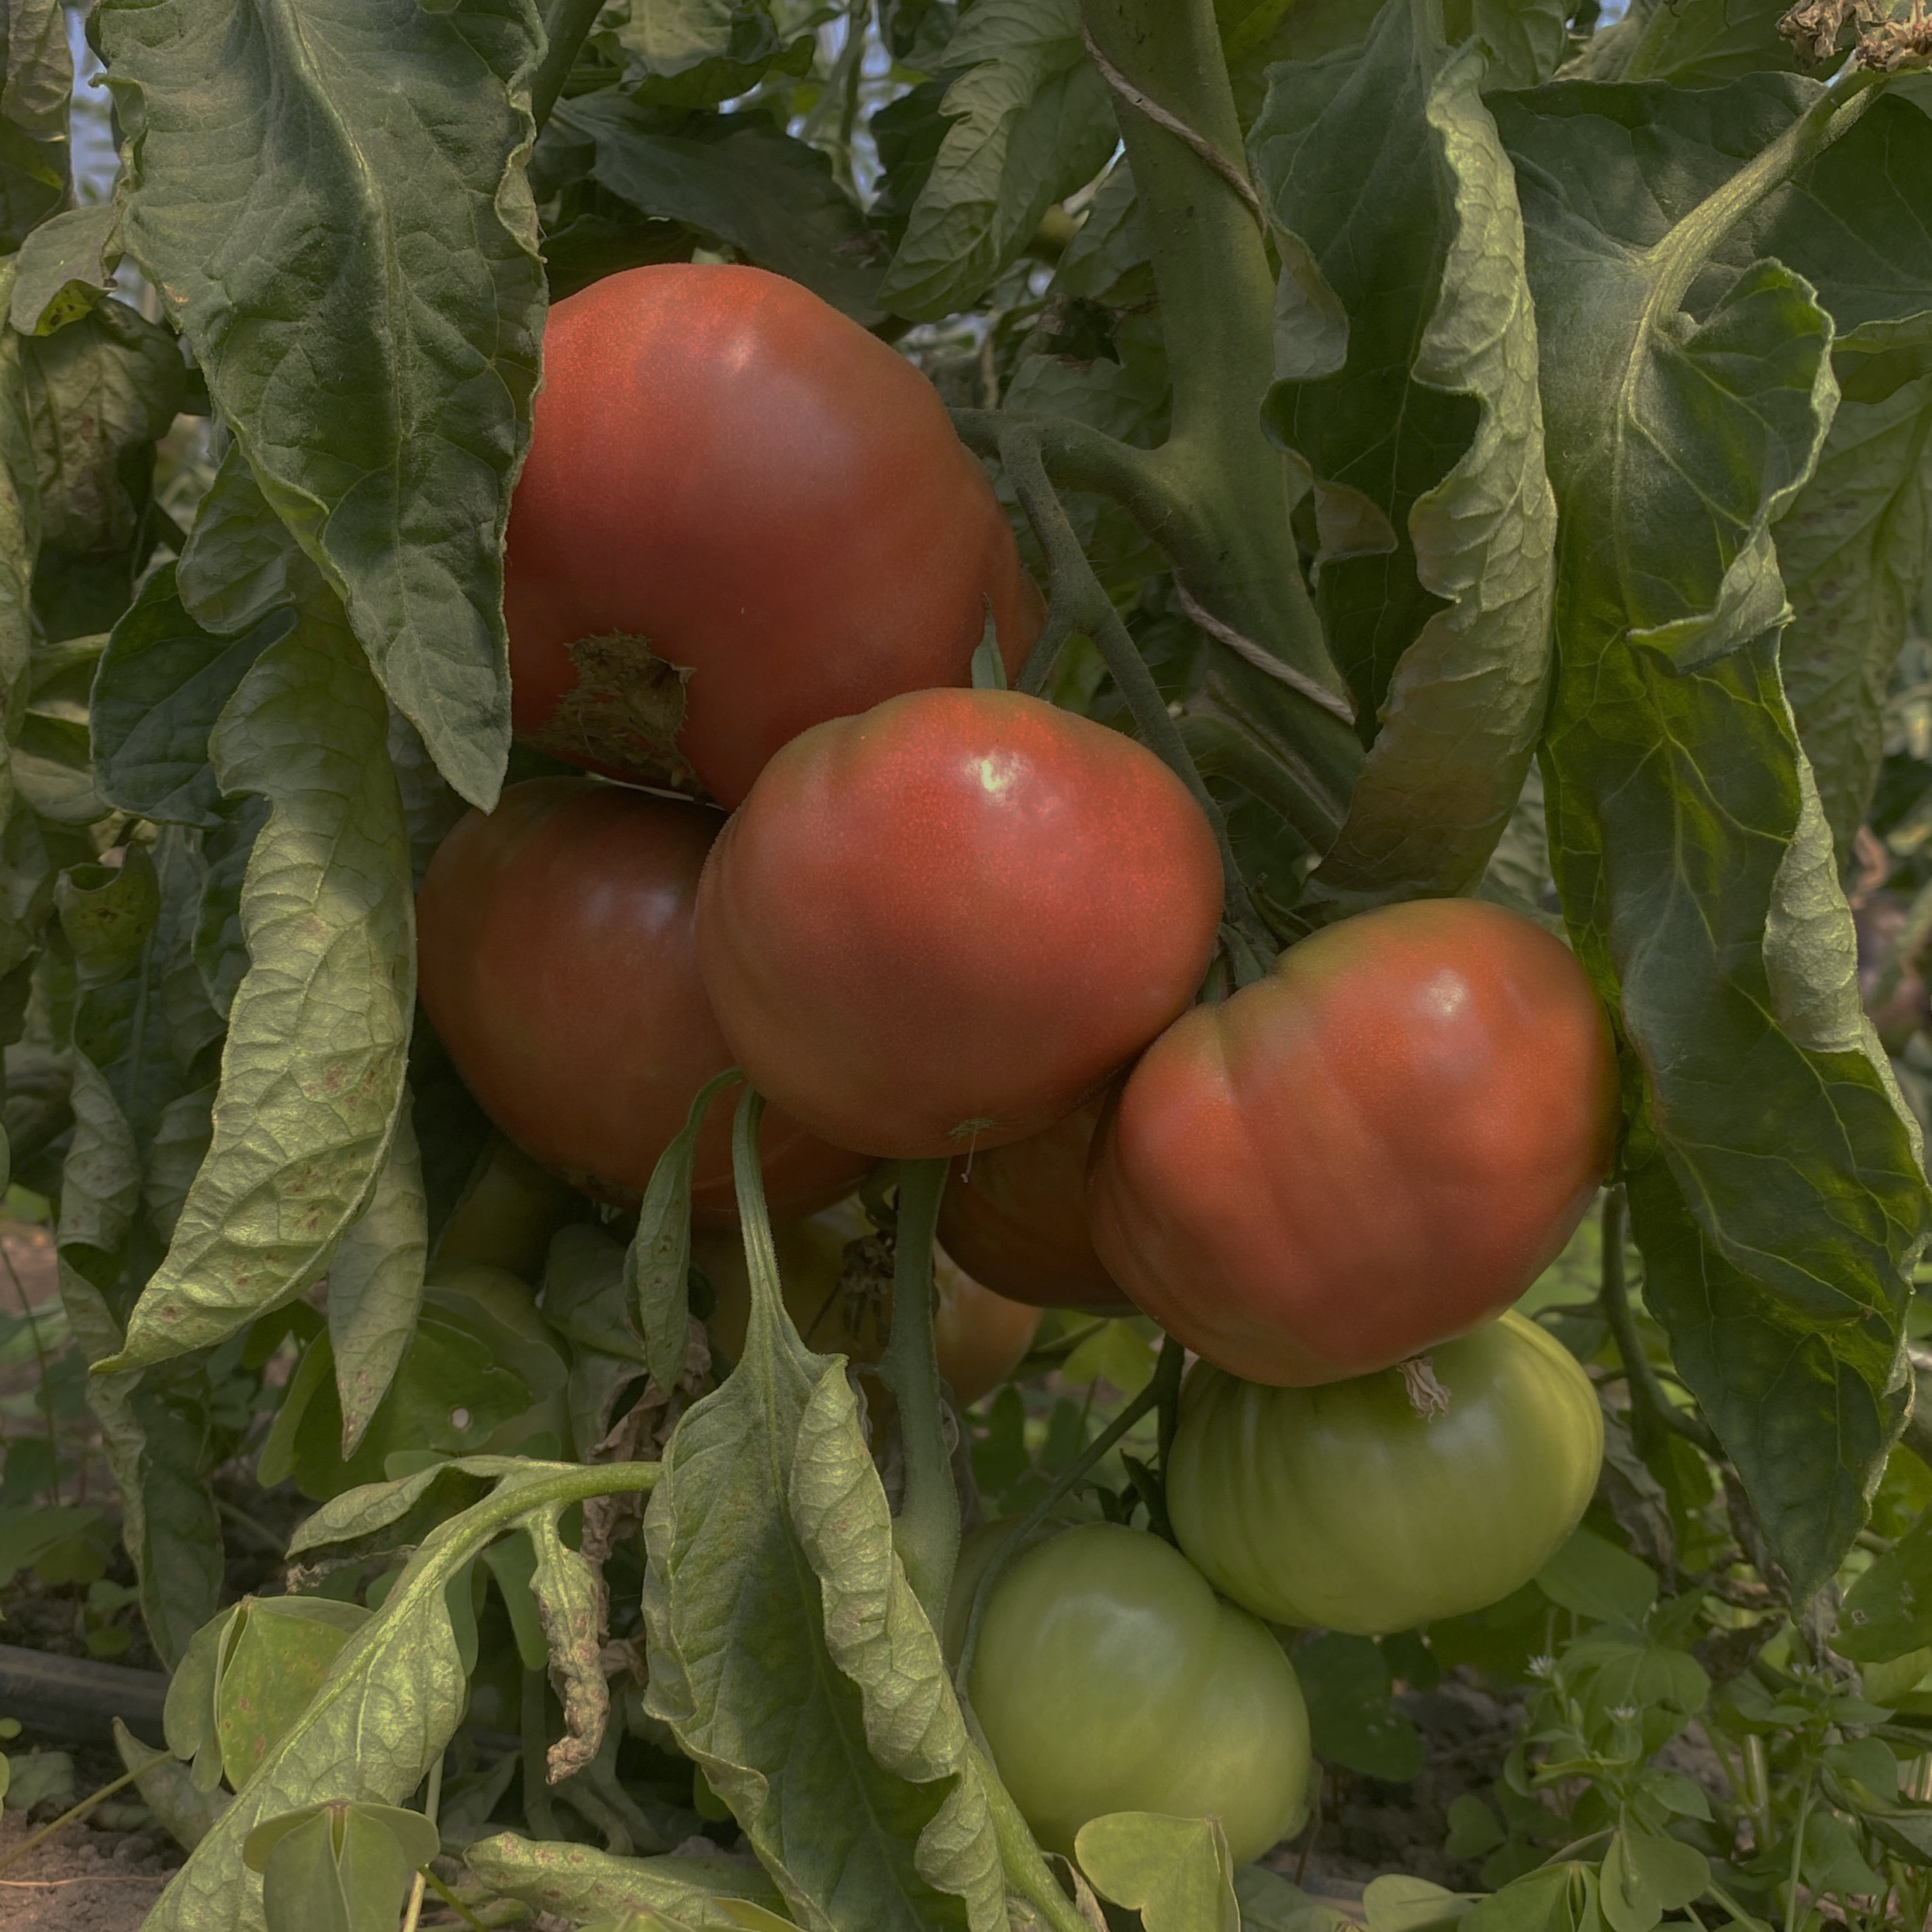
74, 1699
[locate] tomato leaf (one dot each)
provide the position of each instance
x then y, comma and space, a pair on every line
375, 1286
658, 1263
275, 1652
1032, 121
1855, 552
240, 560
324, 1008
162, 683
39, 73
1420, 419
697, 53
736, 177
576, 1882
844, 1757
1176, 1872
1351, 1721
1593, 1577
298, 176
1692, 856
394, 1698
1888, 1611
67, 265
1693, 47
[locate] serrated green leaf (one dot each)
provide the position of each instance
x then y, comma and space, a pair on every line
697, 53
769, 1519
163, 682
577, 1881
299, 174
1432, 425
38, 72
1686, 833
1351, 1721
375, 1286
1854, 550
740, 179
67, 265
1176, 1872
1032, 121
323, 1013
386, 1710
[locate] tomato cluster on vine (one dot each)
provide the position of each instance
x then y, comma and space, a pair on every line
748, 558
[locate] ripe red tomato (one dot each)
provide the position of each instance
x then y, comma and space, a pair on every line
838, 1291
1015, 1217
1377, 1147
557, 962
941, 926
728, 471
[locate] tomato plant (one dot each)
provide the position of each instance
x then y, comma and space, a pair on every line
1016, 1218
741, 515
1377, 1147
1381, 1502
1475, 460
558, 966
1108, 1677
942, 924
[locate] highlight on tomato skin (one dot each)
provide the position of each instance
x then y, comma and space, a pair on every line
557, 962
741, 514
943, 924
1015, 1217
1376, 1504
1377, 1147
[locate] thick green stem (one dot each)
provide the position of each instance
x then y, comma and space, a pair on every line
926, 1531
1234, 552
1028, 1875
567, 25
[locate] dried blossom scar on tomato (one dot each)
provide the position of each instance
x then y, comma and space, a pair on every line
1378, 1146
943, 924
741, 514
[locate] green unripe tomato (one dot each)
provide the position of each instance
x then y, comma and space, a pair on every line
1347, 1507
1108, 1677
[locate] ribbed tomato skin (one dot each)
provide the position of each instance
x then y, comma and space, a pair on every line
1344, 1507
1378, 1146
726, 467
941, 926
1015, 1217
558, 963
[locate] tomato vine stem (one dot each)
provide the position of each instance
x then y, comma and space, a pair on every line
926, 1531
567, 25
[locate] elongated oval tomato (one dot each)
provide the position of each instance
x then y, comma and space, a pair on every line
941, 926
1377, 1147
558, 963
728, 476
1015, 1217
1348, 1507
1108, 1677
841, 1302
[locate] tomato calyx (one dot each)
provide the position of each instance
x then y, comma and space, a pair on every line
624, 714
1426, 1394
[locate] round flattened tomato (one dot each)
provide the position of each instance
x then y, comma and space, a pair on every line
557, 962
741, 514
838, 1281
941, 926
1380, 1145
1353, 1507
1107, 1676
1015, 1217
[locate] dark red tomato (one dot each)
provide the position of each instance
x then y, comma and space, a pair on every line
557, 962
1019, 1212
940, 926
728, 470
1375, 1149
